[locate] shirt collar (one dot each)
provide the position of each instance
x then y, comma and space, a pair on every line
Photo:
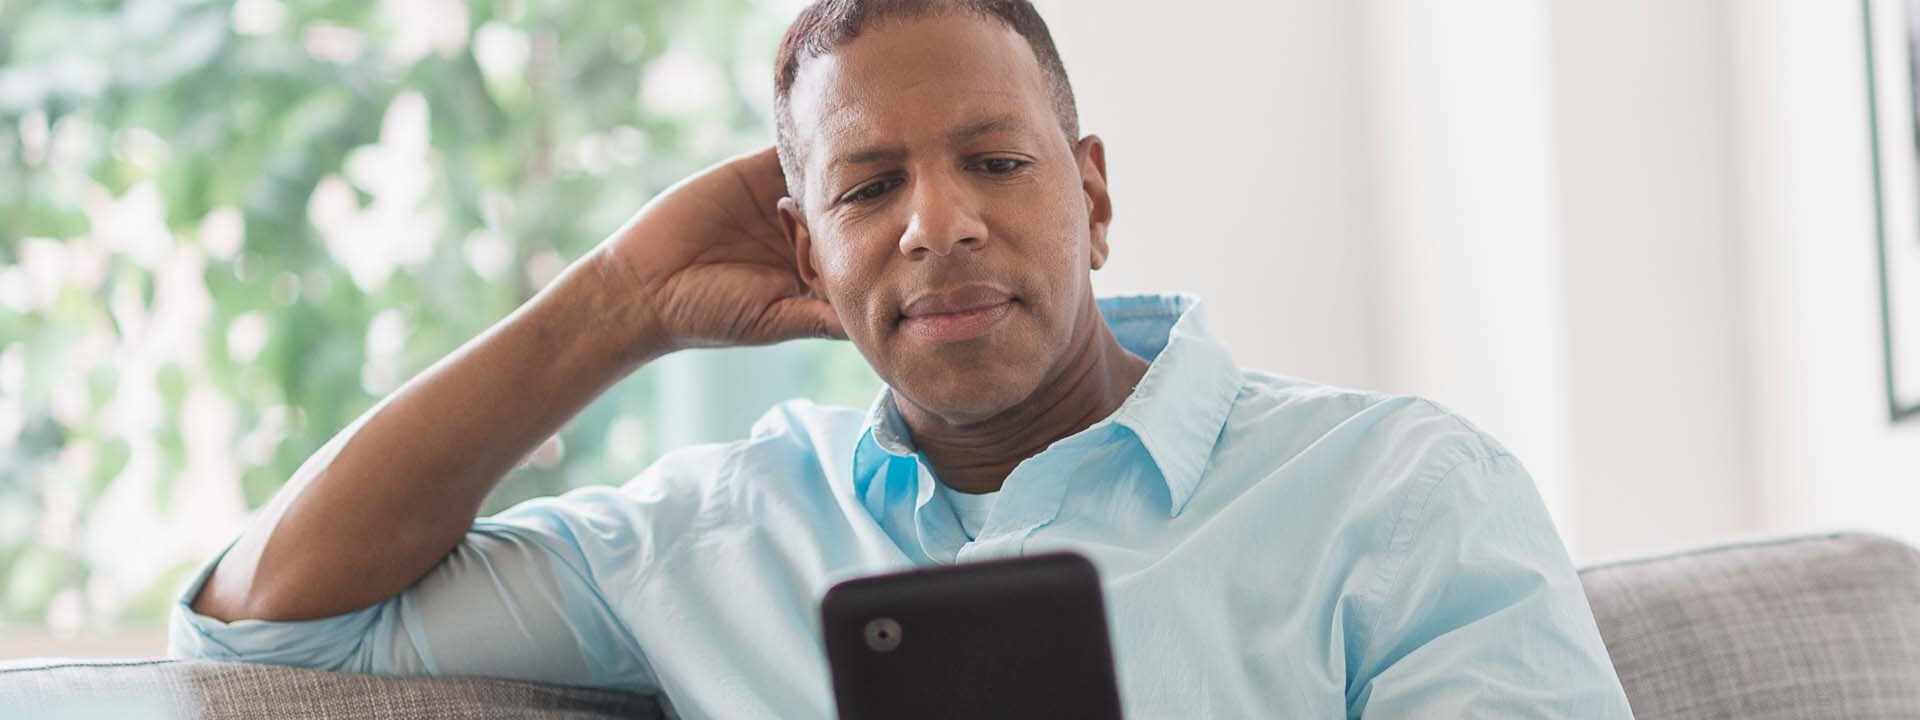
1176, 412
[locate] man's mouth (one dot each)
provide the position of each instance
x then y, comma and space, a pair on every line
956, 314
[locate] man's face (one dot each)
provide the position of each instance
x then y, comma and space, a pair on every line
948, 220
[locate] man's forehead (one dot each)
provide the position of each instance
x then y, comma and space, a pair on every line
932, 77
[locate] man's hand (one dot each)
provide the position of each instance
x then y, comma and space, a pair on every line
709, 265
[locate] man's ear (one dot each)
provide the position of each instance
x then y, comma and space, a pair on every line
794, 225
1091, 154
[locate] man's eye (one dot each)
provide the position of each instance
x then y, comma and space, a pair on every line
1001, 166
871, 190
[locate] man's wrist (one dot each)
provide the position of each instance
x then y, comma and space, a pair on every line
603, 315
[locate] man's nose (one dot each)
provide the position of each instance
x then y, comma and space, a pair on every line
942, 217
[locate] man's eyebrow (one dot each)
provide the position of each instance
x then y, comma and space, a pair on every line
957, 136
979, 128
868, 156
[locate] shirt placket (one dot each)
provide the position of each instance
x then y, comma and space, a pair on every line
939, 531
1029, 499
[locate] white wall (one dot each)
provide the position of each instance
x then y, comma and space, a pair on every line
1656, 353
1632, 238
1826, 455
1233, 154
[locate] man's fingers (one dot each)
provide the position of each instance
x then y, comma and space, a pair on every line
806, 317
830, 322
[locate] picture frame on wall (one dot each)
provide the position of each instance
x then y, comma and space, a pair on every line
1892, 30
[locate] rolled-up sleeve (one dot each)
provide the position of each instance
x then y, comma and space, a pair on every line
517, 599
1484, 615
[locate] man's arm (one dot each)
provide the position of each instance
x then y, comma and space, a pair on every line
393, 494
1485, 616
388, 498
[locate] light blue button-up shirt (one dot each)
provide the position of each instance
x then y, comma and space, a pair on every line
1269, 547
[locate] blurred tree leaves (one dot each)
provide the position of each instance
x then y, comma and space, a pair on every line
228, 228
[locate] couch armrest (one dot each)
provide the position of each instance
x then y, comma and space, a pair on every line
178, 690
1824, 626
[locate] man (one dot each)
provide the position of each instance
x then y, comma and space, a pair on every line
1269, 547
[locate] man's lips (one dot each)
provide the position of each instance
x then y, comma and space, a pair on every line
954, 300
953, 327
961, 313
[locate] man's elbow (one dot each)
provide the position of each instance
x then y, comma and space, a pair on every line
222, 598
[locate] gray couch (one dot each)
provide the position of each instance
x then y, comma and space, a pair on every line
1810, 627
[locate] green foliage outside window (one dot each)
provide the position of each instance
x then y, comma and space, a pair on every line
228, 228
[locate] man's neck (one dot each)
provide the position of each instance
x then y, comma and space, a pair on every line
1097, 378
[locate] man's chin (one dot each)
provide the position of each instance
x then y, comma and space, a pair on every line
962, 404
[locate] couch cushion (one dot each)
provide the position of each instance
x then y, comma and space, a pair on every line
1813, 627
178, 690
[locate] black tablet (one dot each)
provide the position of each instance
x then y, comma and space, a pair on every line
1017, 638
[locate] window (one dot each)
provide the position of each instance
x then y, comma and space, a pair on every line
230, 228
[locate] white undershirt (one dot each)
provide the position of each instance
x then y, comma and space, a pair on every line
971, 509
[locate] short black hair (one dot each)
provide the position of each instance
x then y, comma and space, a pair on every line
826, 25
